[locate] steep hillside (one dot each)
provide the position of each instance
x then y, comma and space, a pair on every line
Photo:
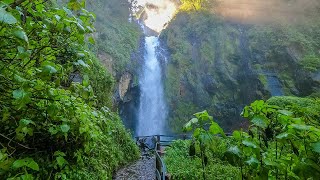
222, 64
55, 117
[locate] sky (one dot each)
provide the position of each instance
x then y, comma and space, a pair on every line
159, 13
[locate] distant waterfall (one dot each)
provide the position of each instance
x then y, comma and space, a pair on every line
274, 86
152, 110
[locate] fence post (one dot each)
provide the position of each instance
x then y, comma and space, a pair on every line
158, 143
158, 161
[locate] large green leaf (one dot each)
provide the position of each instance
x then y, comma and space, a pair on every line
19, 78
282, 136
203, 116
49, 69
260, 121
19, 94
304, 127
8, 1
61, 161
196, 132
25, 122
245, 112
82, 63
253, 161
188, 126
59, 153
65, 128
81, 28
26, 162
316, 147
216, 129
27, 177
22, 97
234, 150
249, 143
269, 162
21, 35
7, 17
236, 135
33, 165
285, 112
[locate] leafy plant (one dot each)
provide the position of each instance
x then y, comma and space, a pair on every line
182, 166
282, 142
202, 137
51, 124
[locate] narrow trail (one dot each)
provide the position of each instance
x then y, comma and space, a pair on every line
143, 169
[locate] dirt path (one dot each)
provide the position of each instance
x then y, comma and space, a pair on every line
143, 169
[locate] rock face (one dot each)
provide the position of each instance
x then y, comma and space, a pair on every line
222, 66
124, 85
107, 61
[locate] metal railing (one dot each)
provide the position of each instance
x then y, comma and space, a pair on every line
161, 169
161, 141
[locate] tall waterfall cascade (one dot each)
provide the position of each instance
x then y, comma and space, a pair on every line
152, 111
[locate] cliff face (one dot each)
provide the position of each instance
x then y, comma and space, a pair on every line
214, 61
222, 66
116, 43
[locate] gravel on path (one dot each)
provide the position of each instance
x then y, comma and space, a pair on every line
143, 169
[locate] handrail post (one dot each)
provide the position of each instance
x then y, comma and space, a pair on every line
158, 162
158, 142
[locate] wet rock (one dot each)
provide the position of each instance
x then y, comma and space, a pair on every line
124, 84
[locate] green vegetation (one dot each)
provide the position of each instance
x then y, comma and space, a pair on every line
291, 51
187, 5
213, 62
203, 68
282, 142
54, 117
116, 36
181, 165
311, 63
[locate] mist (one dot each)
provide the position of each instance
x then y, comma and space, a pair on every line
157, 13
267, 11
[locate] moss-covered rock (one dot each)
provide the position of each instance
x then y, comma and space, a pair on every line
222, 66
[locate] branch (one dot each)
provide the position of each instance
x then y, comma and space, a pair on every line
16, 142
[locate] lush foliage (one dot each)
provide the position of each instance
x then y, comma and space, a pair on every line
282, 142
181, 165
116, 37
52, 125
291, 51
213, 62
204, 69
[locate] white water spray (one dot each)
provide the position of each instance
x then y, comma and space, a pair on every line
152, 111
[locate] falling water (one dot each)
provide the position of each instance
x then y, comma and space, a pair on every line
274, 86
152, 110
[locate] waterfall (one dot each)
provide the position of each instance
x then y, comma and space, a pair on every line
153, 16
274, 86
152, 110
